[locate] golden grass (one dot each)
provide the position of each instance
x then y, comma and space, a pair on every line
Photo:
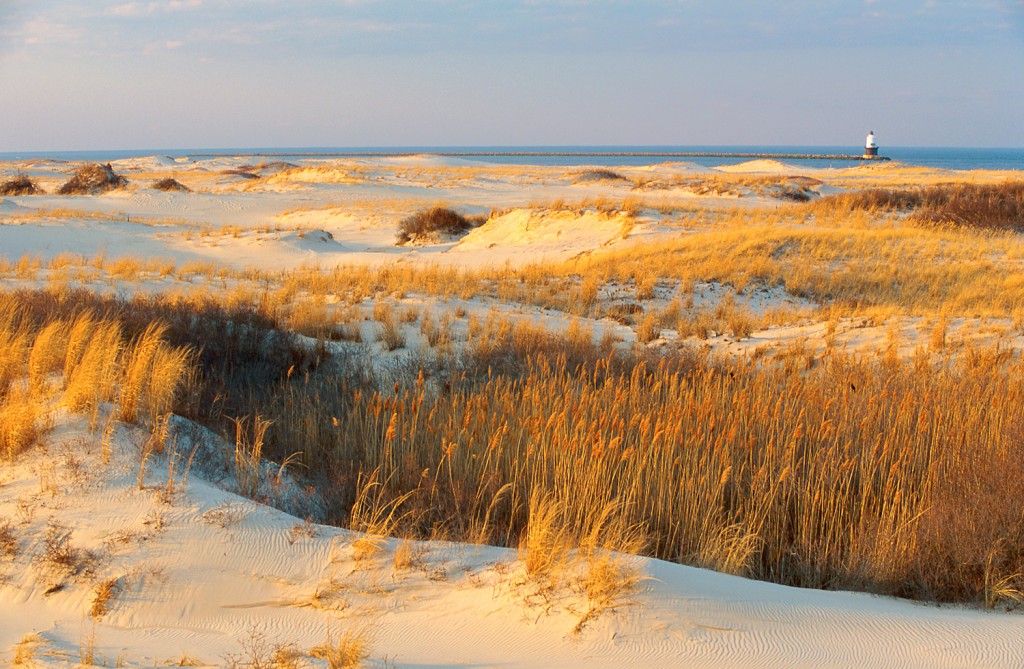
846, 475
349, 651
88, 359
26, 649
19, 423
823, 471
104, 593
248, 453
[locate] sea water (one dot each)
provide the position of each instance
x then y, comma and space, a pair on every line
954, 158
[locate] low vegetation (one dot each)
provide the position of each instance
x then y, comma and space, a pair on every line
93, 179
896, 476
19, 184
599, 175
432, 223
170, 184
987, 206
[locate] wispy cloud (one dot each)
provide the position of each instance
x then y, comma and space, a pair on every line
148, 8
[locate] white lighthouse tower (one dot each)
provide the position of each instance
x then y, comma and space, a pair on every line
870, 148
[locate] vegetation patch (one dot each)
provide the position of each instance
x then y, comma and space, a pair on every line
990, 206
171, 185
19, 184
93, 179
599, 175
434, 223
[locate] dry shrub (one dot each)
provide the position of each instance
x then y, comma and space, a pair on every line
589, 554
93, 179
391, 335
60, 559
598, 175
169, 184
871, 199
19, 184
432, 223
97, 364
14, 347
8, 540
610, 573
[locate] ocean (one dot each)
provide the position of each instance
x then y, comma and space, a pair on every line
956, 158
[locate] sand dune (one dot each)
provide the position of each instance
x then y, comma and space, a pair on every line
200, 570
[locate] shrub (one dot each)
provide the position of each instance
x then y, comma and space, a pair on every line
599, 175
169, 184
432, 223
93, 179
19, 184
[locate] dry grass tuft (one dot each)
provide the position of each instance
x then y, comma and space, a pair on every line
347, 652
546, 544
105, 592
19, 422
249, 453
26, 649
375, 513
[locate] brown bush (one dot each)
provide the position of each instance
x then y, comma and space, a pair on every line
19, 184
599, 175
432, 223
93, 179
170, 185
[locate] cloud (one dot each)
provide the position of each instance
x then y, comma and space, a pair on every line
42, 30
149, 8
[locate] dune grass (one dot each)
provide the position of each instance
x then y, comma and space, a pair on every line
895, 476
83, 361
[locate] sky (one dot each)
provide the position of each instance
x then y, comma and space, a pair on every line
116, 74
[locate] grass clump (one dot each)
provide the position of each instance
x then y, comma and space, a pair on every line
432, 223
348, 652
93, 179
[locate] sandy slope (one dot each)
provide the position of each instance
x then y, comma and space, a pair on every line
200, 570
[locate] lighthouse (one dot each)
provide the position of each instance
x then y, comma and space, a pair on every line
870, 148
